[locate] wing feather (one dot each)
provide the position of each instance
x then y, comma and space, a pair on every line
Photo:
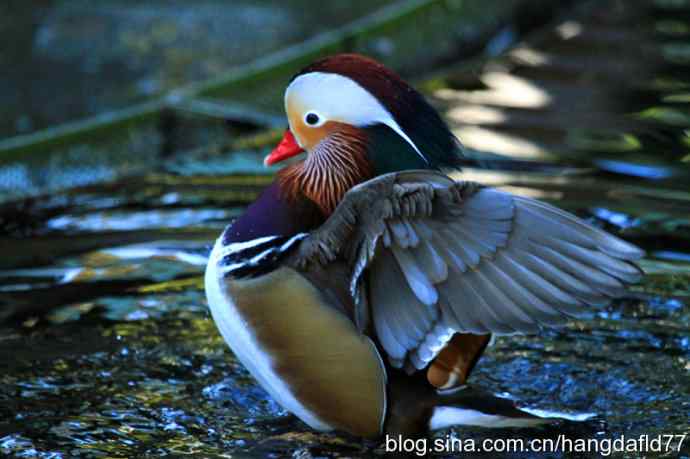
431, 263
442, 257
559, 277
416, 278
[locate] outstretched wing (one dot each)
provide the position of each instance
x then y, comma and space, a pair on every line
442, 257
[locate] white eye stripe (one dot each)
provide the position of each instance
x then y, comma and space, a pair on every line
340, 98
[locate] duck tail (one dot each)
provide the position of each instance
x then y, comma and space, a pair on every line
469, 406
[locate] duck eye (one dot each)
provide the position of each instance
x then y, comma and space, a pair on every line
312, 119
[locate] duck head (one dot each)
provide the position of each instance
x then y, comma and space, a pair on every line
356, 119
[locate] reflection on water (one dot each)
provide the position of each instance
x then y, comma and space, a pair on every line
108, 350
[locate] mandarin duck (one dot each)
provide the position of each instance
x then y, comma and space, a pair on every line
363, 285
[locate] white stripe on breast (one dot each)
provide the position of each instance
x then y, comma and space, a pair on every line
240, 246
237, 335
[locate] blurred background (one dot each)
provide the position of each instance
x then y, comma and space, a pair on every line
132, 132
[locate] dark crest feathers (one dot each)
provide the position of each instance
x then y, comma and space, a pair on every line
420, 121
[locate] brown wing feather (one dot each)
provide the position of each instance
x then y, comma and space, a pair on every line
454, 363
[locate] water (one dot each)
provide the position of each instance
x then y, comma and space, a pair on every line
107, 349
110, 54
